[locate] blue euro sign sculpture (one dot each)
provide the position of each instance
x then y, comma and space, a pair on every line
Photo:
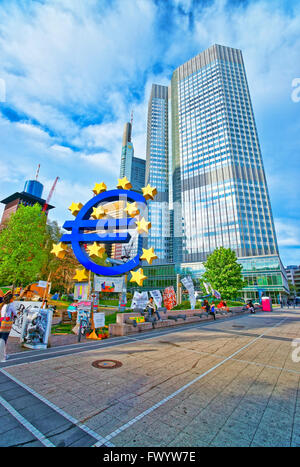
83, 223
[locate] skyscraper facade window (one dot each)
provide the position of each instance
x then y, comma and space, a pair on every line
204, 157
220, 195
157, 173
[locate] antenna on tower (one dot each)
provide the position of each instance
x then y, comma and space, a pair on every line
131, 119
37, 172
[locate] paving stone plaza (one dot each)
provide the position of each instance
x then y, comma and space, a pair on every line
233, 382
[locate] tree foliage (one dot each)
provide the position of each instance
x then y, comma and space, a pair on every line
22, 246
59, 271
224, 273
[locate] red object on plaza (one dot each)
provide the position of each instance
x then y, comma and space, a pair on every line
169, 298
266, 303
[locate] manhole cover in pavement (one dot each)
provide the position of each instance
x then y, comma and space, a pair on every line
241, 327
107, 364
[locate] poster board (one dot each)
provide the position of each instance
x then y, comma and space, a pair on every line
108, 284
140, 300
81, 291
21, 307
156, 297
83, 313
99, 320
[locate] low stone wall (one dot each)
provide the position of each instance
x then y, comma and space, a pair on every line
122, 328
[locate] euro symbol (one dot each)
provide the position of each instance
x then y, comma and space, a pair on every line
82, 224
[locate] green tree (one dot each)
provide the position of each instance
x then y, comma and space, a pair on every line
224, 273
292, 287
22, 246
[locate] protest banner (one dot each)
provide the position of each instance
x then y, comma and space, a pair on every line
169, 298
156, 297
189, 285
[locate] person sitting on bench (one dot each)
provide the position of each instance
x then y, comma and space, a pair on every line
152, 309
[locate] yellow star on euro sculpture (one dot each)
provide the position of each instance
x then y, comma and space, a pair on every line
138, 277
132, 209
81, 275
99, 188
143, 226
124, 184
59, 250
98, 212
148, 255
96, 249
149, 192
75, 208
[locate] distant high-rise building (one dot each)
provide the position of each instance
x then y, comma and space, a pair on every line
131, 167
157, 173
293, 275
31, 195
134, 169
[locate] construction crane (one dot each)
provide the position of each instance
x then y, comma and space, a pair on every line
50, 195
37, 172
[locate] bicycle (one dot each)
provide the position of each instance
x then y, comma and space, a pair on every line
84, 328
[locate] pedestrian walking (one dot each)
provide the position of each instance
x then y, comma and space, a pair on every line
212, 310
7, 315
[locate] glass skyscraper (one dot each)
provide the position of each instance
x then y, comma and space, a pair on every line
220, 193
157, 173
218, 190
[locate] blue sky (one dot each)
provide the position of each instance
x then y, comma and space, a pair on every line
73, 71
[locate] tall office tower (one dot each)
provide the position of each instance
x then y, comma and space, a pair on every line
134, 169
157, 173
220, 194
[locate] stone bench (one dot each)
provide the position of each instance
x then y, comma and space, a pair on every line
123, 325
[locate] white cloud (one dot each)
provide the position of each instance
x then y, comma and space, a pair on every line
75, 70
288, 232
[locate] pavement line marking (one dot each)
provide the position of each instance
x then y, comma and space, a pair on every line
171, 396
201, 352
110, 344
36, 433
49, 353
76, 346
145, 336
60, 411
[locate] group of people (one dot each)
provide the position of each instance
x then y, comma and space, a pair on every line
7, 315
211, 308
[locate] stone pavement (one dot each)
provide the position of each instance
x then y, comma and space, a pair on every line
226, 383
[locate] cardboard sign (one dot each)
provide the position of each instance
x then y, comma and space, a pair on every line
99, 320
138, 319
